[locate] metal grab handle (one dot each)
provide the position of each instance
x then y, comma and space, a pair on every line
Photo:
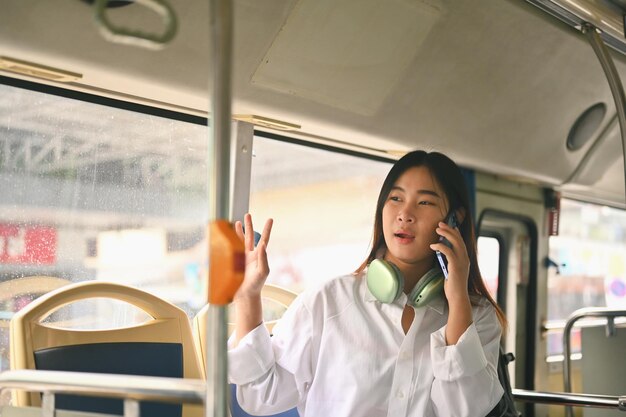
136, 37
568, 399
135, 387
612, 76
567, 333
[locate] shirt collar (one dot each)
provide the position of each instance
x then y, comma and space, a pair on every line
438, 304
368, 297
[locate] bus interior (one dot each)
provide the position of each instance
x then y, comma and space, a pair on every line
106, 162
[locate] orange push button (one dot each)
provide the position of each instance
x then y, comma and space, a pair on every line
228, 263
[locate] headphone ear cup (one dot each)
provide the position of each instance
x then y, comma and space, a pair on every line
427, 288
384, 281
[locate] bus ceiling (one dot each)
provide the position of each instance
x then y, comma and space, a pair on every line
603, 23
497, 85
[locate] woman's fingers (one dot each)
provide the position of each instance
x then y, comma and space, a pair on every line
245, 232
452, 234
458, 252
447, 251
249, 232
262, 263
239, 230
267, 231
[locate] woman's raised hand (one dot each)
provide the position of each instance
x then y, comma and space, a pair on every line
257, 268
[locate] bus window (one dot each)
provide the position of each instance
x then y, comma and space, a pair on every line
91, 191
590, 258
489, 263
322, 203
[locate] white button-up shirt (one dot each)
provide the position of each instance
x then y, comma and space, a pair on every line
339, 352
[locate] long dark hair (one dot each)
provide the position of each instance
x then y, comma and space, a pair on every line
450, 179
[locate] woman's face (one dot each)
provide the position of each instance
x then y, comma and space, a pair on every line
410, 215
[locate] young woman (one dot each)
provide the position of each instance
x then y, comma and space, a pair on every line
341, 351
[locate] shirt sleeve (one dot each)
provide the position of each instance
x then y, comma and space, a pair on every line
272, 374
465, 375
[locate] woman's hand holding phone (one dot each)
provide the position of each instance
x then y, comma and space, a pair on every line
455, 286
450, 220
453, 258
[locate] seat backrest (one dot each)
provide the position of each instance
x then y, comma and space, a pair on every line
161, 346
34, 285
278, 295
20, 291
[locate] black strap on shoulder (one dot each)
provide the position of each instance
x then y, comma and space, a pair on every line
506, 406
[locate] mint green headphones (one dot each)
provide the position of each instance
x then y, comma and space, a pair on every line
386, 283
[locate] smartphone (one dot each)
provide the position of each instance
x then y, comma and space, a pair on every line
451, 221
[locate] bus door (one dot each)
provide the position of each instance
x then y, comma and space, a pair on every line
509, 244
